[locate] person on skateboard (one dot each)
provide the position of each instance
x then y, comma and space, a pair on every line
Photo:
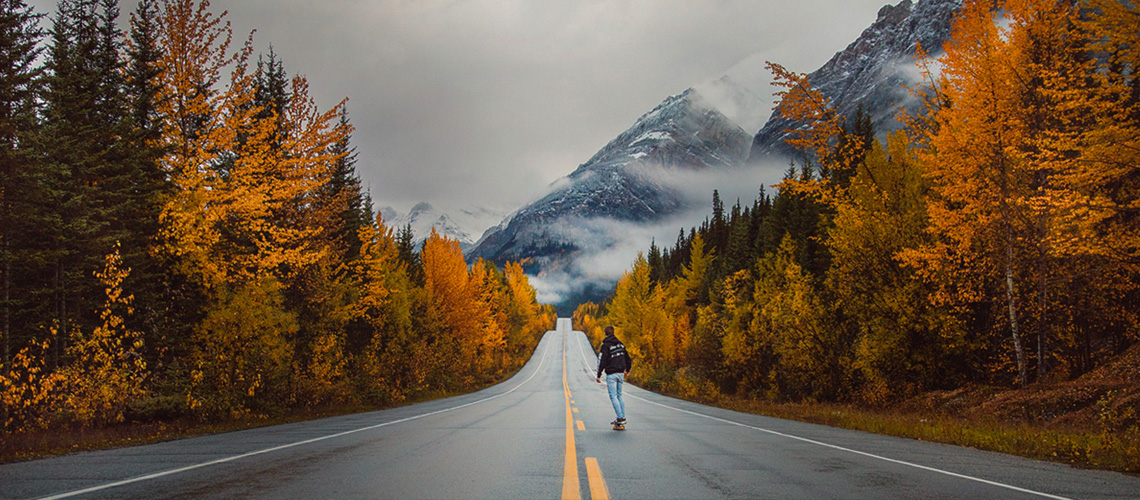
615, 361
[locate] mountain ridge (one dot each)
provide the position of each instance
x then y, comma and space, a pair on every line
707, 137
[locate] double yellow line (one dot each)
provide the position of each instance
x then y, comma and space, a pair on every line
570, 484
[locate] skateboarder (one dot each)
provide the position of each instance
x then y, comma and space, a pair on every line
615, 361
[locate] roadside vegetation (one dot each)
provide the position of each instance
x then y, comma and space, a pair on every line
972, 278
185, 243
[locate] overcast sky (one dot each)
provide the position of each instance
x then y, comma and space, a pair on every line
486, 102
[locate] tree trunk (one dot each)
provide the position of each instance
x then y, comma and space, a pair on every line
7, 361
1011, 299
7, 307
1043, 321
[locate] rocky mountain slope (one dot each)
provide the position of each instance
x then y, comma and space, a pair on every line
632, 181
667, 164
464, 225
874, 70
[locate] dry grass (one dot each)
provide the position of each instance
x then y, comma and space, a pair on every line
55, 442
1092, 447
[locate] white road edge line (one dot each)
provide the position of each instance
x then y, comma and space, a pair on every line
857, 452
156, 475
836, 447
583, 351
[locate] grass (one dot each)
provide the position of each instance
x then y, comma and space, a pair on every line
1099, 448
55, 442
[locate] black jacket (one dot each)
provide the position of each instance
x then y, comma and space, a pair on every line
614, 358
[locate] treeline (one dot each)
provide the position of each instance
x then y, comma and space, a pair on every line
183, 234
995, 240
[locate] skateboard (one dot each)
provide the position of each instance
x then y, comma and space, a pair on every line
618, 426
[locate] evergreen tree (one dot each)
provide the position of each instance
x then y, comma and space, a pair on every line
19, 36
718, 226
738, 255
147, 180
406, 251
271, 97
86, 180
851, 148
342, 194
656, 262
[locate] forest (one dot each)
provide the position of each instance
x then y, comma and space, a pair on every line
183, 235
993, 240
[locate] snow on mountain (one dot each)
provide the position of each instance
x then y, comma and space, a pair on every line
874, 70
659, 174
656, 176
461, 224
743, 94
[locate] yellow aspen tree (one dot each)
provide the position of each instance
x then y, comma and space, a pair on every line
729, 318
816, 133
490, 299
811, 360
242, 181
680, 296
902, 342
525, 315
980, 181
447, 283
588, 318
30, 388
391, 365
192, 100
638, 313
107, 370
1104, 175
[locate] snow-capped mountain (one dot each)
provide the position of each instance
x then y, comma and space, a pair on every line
874, 70
630, 179
659, 175
463, 225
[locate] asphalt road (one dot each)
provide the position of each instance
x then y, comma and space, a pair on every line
545, 434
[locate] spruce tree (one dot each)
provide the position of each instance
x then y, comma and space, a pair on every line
656, 262
82, 143
342, 194
406, 251
272, 95
149, 280
19, 184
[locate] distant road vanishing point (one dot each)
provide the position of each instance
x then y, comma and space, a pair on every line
545, 434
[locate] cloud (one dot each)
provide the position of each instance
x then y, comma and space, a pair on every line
494, 99
607, 248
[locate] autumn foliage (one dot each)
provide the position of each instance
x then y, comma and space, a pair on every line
239, 266
994, 240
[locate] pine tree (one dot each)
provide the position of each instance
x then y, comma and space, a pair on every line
88, 182
656, 262
406, 244
19, 186
342, 195
148, 181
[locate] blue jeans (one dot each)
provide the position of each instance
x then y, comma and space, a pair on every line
614, 382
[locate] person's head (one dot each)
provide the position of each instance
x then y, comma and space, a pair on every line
609, 331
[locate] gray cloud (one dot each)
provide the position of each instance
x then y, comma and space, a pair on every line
607, 248
485, 102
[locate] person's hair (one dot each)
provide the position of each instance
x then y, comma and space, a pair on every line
609, 330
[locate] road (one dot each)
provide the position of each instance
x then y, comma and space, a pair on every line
544, 434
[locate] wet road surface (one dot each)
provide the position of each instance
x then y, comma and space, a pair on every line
544, 434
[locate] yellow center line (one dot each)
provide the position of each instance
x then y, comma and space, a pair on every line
570, 488
581, 426
598, 490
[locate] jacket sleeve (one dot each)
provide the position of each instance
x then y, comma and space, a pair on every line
603, 359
